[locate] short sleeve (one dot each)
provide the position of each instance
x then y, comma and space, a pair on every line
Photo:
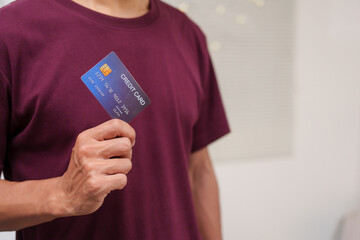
212, 122
5, 93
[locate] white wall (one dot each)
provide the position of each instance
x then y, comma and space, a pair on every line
254, 64
4, 2
303, 197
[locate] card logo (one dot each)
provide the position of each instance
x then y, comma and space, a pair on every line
105, 69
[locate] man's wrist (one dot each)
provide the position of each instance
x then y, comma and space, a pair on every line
55, 204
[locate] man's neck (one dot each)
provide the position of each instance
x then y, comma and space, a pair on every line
117, 8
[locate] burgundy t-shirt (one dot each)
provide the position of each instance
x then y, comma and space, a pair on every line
45, 47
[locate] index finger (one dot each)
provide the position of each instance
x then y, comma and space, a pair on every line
112, 129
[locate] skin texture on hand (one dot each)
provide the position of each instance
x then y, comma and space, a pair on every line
99, 162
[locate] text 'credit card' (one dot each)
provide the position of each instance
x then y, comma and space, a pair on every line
115, 88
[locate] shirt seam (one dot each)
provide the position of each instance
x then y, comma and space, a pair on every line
109, 26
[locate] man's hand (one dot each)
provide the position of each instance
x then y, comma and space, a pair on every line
100, 160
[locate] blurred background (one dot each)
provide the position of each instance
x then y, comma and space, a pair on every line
289, 73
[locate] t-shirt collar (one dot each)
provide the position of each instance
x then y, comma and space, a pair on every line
137, 22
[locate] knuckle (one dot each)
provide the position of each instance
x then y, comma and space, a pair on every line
119, 124
84, 151
132, 133
81, 137
122, 180
87, 150
126, 144
130, 164
93, 185
87, 167
127, 165
116, 123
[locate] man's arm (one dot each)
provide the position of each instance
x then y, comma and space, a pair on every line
24, 204
205, 195
99, 163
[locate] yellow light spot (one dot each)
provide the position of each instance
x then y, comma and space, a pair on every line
240, 19
184, 7
215, 46
259, 3
220, 9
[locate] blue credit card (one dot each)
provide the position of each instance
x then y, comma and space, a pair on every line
115, 88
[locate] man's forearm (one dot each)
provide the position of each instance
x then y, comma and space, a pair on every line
99, 162
205, 195
24, 204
